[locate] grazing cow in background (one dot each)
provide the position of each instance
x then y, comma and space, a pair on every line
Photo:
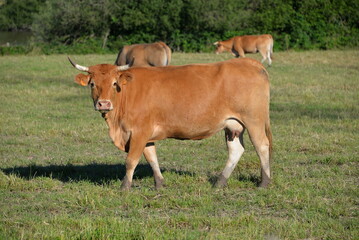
149, 54
142, 105
240, 45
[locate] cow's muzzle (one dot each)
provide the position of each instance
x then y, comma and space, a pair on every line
103, 106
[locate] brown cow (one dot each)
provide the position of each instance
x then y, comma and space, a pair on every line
142, 105
240, 45
150, 54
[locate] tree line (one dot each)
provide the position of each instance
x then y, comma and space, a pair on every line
185, 25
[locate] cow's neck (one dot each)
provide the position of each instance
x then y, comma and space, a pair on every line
115, 120
228, 44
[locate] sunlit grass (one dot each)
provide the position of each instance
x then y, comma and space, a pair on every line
60, 174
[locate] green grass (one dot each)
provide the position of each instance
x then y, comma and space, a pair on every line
60, 174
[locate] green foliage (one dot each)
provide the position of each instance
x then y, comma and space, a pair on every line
66, 21
79, 46
185, 25
18, 14
309, 24
14, 50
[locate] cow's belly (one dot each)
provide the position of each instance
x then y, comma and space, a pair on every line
195, 131
251, 49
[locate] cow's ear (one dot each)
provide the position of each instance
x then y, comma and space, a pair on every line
124, 78
82, 79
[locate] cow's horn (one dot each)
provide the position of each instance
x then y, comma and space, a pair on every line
123, 67
216, 43
79, 67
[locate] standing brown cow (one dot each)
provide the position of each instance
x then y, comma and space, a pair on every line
150, 54
240, 45
142, 105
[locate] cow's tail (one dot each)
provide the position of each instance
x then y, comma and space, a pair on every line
267, 128
269, 136
169, 55
117, 59
122, 57
167, 51
271, 47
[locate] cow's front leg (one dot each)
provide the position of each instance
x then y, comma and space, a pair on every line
151, 157
137, 145
241, 53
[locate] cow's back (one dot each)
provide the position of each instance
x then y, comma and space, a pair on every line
251, 43
152, 54
157, 54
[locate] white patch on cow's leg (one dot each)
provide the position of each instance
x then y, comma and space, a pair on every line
268, 56
264, 57
235, 151
234, 138
269, 61
151, 157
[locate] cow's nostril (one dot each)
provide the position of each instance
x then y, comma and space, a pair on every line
104, 105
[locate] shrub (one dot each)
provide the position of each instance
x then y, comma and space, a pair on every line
100, 26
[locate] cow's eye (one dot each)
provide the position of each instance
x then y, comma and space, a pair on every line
114, 84
92, 84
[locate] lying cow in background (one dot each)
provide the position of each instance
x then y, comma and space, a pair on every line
240, 45
149, 54
142, 105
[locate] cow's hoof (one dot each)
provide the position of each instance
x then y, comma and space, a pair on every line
159, 184
265, 183
126, 185
221, 182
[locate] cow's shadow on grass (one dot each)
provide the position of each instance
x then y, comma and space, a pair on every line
96, 173
103, 173
242, 178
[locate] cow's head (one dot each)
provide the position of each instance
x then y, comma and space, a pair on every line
105, 80
219, 47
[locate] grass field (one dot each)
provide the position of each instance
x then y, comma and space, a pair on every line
60, 174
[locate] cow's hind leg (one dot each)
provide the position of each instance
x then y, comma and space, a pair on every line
264, 54
151, 157
234, 138
261, 142
269, 50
